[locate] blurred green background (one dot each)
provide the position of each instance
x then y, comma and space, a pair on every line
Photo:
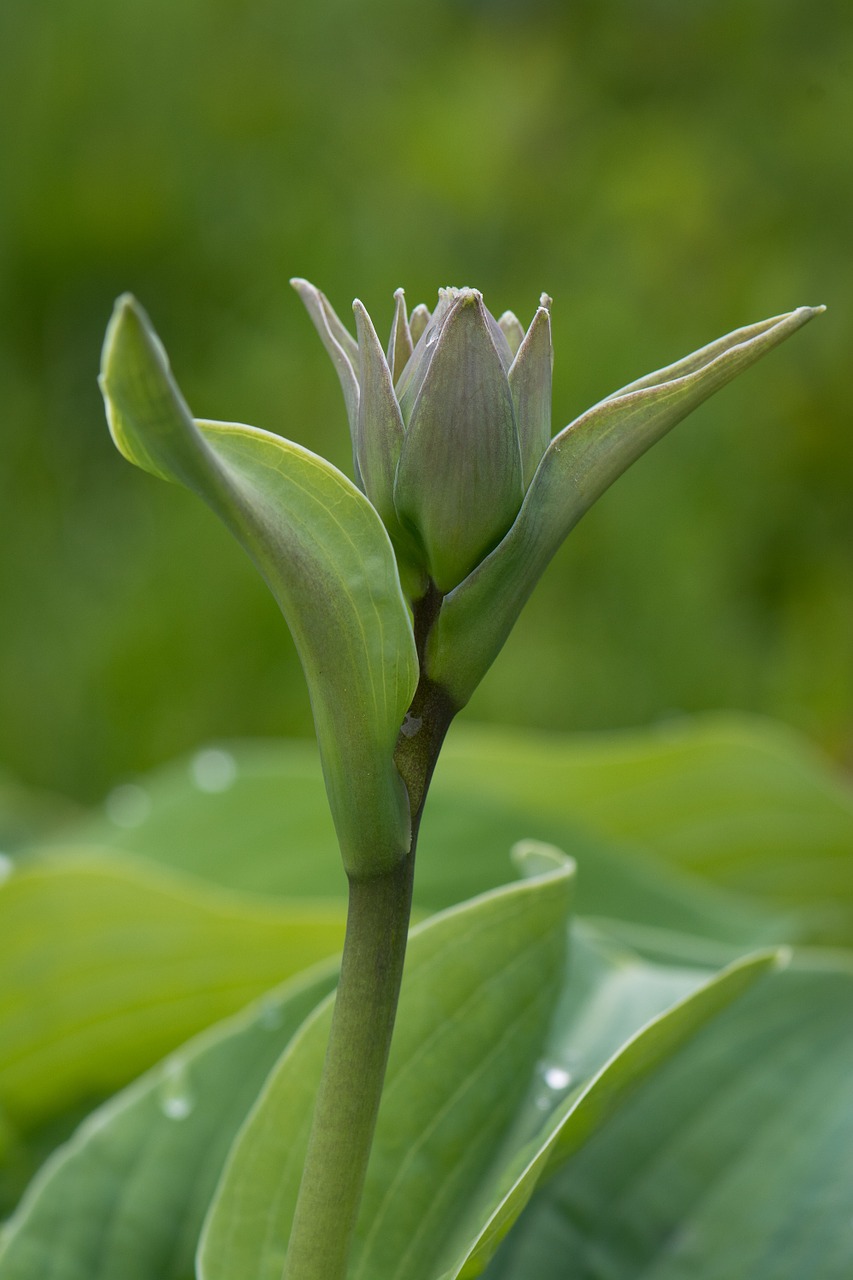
666, 171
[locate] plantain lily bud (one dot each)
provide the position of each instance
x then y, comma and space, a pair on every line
446, 441
453, 448
459, 477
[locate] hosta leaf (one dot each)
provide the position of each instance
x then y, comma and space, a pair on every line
108, 964
478, 991
268, 800
579, 464
127, 1196
739, 803
327, 559
734, 1160
620, 1020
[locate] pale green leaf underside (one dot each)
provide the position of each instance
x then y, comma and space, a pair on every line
734, 1160
580, 463
607, 1038
327, 559
108, 964
479, 987
126, 1197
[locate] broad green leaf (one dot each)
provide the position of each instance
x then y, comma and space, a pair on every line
126, 1197
268, 801
581, 462
734, 1160
327, 559
620, 1019
739, 803
478, 992
108, 964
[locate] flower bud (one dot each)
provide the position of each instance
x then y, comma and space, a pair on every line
459, 478
447, 428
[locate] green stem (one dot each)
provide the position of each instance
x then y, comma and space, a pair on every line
353, 1074
363, 1019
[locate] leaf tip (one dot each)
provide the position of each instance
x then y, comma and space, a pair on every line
537, 858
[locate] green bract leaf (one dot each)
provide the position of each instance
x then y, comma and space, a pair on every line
380, 423
478, 991
530, 383
733, 1160
128, 1194
108, 964
400, 345
580, 463
339, 343
327, 558
512, 329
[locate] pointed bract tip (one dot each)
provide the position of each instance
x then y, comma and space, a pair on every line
546, 301
128, 322
400, 293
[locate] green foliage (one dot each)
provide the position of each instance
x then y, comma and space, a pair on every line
110, 963
733, 1160
632, 1091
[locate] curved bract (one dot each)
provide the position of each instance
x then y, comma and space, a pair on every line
327, 559
578, 465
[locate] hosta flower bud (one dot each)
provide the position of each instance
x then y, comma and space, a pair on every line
453, 448
447, 441
459, 477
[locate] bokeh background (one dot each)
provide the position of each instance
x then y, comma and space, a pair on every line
667, 171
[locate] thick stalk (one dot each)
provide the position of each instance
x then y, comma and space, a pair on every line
354, 1070
363, 1019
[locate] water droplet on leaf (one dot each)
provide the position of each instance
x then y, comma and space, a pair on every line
128, 806
213, 769
557, 1078
554, 1082
176, 1098
271, 1015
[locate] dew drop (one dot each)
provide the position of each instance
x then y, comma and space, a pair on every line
176, 1099
271, 1015
213, 770
128, 806
7, 866
554, 1081
557, 1078
176, 1108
